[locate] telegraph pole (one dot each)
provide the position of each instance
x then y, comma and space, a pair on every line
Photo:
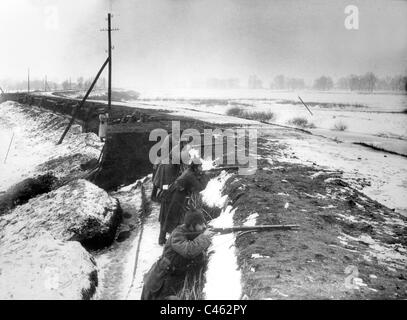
109, 52
109, 88
28, 81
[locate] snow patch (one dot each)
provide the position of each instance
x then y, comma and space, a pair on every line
45, 268
212, 194
258, 256
223, 277
393, 256
251, 220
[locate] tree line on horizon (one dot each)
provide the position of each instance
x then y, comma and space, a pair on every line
367, 82
44, 85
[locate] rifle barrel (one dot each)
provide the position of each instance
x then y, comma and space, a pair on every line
257, 228
222, 168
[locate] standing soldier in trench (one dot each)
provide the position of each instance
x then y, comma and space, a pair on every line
183, 253
174, 200
164, 174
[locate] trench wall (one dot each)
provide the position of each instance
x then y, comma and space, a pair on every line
125, 156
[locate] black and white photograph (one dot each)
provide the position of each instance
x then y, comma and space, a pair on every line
211, 150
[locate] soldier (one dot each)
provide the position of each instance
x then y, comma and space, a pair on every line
174, 200
164, 174
183, 252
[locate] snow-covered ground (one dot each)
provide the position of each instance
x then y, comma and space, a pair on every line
34, 142
223, 278
121, 266
381, 122
386, 173
378, 119
40, 250
390, 102
149, 250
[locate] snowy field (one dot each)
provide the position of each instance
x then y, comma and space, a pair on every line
389, 102
386, 174
376, 119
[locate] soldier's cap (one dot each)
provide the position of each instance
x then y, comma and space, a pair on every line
194, 217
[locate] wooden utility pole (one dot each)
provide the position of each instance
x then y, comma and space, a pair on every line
109, 89
109, 52
28, 81
45, 83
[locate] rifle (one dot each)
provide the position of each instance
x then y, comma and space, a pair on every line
275, 227
218, 169
247, 229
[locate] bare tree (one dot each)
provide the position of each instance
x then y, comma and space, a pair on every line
323, 83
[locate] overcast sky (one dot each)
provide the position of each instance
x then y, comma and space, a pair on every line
167, 41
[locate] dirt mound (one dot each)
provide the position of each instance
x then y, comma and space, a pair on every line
77, 211
348, 246
40, 243
69, 167
23, 191
125, 95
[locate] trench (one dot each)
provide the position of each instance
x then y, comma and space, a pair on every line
125, 172
122, 265
128, 250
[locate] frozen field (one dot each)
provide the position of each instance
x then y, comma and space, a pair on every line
375, 119
379, 101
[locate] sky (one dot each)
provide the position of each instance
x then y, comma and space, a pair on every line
167, 42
